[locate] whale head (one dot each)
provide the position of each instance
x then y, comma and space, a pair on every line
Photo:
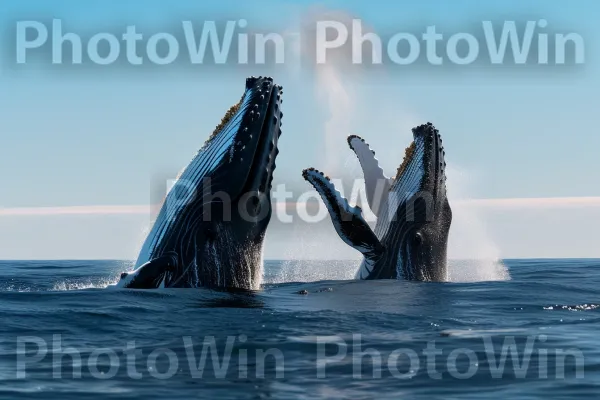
210, 229
416, 235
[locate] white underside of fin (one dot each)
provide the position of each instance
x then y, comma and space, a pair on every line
377, 184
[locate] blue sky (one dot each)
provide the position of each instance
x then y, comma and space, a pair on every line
86, 136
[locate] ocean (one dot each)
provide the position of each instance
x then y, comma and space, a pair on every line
305, 335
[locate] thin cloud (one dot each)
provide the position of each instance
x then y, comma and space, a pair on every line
75, 210
517, 203
532, 202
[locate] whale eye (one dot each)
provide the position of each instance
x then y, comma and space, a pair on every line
418, 239
124, 275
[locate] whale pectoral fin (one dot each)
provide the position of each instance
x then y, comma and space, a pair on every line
347, 220
150, 274
166, 263
376, 183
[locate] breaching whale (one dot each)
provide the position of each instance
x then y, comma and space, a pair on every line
413, 214
210, 229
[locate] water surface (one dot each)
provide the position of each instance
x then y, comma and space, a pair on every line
340, 339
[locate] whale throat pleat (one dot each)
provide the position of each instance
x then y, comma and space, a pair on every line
213, 153
408, 183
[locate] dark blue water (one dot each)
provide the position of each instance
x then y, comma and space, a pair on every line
63, 336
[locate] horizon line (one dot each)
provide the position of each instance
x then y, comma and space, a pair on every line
306, 259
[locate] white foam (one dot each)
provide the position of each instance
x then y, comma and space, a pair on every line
68, 285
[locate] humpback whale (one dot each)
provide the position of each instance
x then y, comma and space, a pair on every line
210, 229
413, 214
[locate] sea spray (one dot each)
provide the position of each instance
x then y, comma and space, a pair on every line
337, 96
474, 256
68, 285
96, 282
305, 261
313, 271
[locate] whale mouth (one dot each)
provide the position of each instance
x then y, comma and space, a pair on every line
435, 172
262, 165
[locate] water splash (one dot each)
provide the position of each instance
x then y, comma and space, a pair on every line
62, 286
68, 285
309, 254
313, 271
96, 282
474, 254
478, 270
